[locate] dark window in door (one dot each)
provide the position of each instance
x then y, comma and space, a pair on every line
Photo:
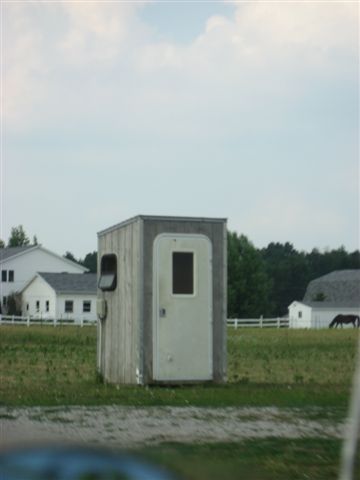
183, 273
11, 275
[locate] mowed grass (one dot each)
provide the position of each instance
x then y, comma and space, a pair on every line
287, 368
261, 459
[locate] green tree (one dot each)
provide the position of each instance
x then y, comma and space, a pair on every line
71, 257
2, 243
289, 272
90, 262
248, 284
18, 237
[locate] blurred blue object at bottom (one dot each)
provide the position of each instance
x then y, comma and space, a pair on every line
75, 463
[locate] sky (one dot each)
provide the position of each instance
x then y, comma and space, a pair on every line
243, 110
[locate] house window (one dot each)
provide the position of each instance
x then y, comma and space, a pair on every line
86, 306
47, 305
300, 314
183, 273
11, 275
4, 301
69, 306
38, 305
27, 307
4, 275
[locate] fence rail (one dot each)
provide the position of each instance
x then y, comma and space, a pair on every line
55, 322
261, 322
231, 322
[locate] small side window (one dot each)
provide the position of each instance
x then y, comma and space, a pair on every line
108, 272
11, 275
300, 314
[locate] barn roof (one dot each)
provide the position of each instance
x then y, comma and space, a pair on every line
340, 288
71, 283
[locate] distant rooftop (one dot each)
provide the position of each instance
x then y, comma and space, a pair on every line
8, 252
339, 288
71, 283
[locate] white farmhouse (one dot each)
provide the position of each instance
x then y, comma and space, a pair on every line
69, 296
332, 294
18, 266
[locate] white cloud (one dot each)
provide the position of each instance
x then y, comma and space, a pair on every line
262, 53
97, 32
24, 67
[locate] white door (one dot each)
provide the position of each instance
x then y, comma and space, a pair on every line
182, 319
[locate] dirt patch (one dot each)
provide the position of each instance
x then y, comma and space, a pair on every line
130, 426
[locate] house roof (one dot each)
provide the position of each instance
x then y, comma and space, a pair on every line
12, 252
8, 252
339, 289
71, 283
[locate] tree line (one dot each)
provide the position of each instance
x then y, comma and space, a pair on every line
260, 281
266, 281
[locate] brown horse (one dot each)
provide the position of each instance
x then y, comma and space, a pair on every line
345, 319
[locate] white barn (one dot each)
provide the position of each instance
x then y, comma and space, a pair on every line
330, 295
69, 296
19, 265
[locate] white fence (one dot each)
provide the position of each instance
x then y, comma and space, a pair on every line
261, 322
55, 322
231, 322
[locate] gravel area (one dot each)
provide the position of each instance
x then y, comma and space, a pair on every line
130, 427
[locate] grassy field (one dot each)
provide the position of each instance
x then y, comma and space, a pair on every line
292, 368
285, 368
266, 459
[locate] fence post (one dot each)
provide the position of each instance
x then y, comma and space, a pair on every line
236, 323
0, 319
278, 322
28, 321
81, 322
261, 321
13, 319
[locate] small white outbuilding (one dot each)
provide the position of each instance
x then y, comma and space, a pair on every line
318, 314
61, 296
162, 300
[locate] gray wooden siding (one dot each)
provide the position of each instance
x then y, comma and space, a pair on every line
120, 331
